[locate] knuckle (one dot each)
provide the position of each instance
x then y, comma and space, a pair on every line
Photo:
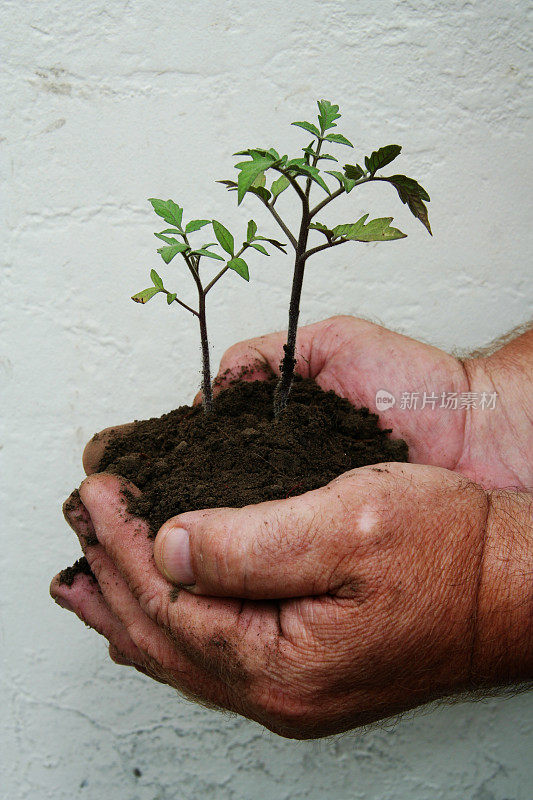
153, 604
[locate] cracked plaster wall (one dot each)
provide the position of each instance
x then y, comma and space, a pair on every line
108, 103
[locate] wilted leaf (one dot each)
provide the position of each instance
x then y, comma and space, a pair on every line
224, 237
380, 158
413, 194
156, 279
168, 209
377, 230
145, 295
240, 266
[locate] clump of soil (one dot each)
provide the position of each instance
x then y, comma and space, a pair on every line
239, 454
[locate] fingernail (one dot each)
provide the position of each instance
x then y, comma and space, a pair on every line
176, 556
63, 603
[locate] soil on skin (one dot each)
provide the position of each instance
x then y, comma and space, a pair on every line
239, 454
81, 566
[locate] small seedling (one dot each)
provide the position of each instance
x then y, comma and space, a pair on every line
173, 215
291, 171
301, 174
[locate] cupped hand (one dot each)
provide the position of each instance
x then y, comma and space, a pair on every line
309, 615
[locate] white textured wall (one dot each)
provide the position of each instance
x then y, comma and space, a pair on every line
107, 103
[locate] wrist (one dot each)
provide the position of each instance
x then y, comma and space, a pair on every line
498, 439
503, 643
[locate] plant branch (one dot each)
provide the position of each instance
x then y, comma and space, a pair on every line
325, 201
294, 183
184, 305
280, 222
325, 246
224, 269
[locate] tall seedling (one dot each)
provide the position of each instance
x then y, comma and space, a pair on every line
301, 174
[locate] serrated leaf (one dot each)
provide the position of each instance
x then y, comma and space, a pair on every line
328, 113
380, 158
145, 295
224, 237
411, 193
240, 266
196, 224
260, 248
168, 209
169, 252
308, 126
156, 280
348, 183
279, 185
249, 171
251, 231
171, 297
208, 253
377, 230
338, 138
353, 171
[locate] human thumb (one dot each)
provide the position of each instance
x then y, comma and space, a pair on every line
276, 549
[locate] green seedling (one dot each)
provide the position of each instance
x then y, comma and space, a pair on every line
303, 173
173, 215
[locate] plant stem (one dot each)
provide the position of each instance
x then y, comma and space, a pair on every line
288, 362
207, 391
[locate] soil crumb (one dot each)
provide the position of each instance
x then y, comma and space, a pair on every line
81, 567
239, 454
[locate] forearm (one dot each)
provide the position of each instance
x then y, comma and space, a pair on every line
499, 431
503, 646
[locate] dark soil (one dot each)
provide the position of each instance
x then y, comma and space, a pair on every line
239, 454
80, 567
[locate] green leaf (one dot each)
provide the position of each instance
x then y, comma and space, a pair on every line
251, 231
318, 226
279, 185
224, 237
353, 171
259, 181
170, 230
260, 248
338, 139
380, 158
168, 209
300, 167
170, 240
145, 295
413, 194
348, 183
202, 252
321, 157
308, 126
156, 279
274, 242
377, 230
168, 253
171, 297
240, 266
250, 170
328, 113
231, 186
196, 224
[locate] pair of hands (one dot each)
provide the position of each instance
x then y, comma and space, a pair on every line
385, 589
